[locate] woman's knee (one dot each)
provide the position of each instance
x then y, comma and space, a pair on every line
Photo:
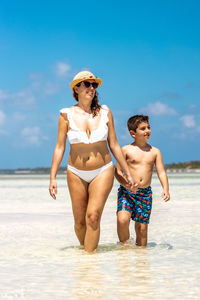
80, 224
93, 219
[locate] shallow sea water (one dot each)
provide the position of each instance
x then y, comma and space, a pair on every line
40, 257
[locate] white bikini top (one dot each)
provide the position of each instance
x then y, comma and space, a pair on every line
75, 135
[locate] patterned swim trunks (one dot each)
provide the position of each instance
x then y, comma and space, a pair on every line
139, 204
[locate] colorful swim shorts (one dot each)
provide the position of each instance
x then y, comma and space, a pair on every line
139, 204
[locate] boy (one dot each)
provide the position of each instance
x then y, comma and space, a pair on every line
136, 203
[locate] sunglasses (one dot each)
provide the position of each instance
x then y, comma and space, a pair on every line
87, 84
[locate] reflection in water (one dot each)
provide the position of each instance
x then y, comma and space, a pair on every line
116, 271
123, 273
88, 278
135, 276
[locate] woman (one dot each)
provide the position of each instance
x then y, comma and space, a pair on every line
90, 171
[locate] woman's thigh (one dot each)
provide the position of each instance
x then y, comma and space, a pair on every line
99, 190
78, 189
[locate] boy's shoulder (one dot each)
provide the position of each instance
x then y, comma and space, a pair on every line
128, 147
132, 148
154, 150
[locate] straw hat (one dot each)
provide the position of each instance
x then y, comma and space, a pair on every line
83, 76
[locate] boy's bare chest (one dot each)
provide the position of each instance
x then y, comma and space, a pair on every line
141, 157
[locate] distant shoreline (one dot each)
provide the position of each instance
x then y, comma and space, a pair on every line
32, 172
189, 167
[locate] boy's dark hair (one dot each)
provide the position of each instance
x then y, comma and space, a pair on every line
134, 121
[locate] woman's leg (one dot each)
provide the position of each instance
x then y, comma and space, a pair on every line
78, 189
98, 191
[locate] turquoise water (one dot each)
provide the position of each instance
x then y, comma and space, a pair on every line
40, 257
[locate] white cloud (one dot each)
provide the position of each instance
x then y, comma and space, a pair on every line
62, 69
3, 132
2, 117
192, 106
188, 121
31, 135
35, 76
45, 138
41, 86
19, 116
169, 95
3, 95
25, 97
124, 134
50, 88
198, 129
30, 131
33, 140
22, 98
157, 108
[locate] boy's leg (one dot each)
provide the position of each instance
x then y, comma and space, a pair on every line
141, 233
143, 205
123, 221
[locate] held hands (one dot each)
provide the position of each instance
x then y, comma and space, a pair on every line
53, 188
133, 187
165, 195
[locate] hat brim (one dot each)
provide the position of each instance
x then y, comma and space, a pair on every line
76, 81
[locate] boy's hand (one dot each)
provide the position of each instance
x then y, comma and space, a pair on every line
165, 196
134, 189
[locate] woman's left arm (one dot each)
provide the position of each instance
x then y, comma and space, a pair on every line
116, 150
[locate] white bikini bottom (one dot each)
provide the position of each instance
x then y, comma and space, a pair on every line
88, 176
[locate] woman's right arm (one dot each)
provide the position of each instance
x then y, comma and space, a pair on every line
58, 153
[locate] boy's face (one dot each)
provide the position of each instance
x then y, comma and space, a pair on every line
143, 132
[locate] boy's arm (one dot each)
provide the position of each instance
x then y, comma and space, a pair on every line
162, 175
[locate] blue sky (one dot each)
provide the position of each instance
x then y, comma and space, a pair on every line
147, 53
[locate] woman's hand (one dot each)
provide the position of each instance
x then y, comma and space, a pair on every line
53, 188
132, 185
